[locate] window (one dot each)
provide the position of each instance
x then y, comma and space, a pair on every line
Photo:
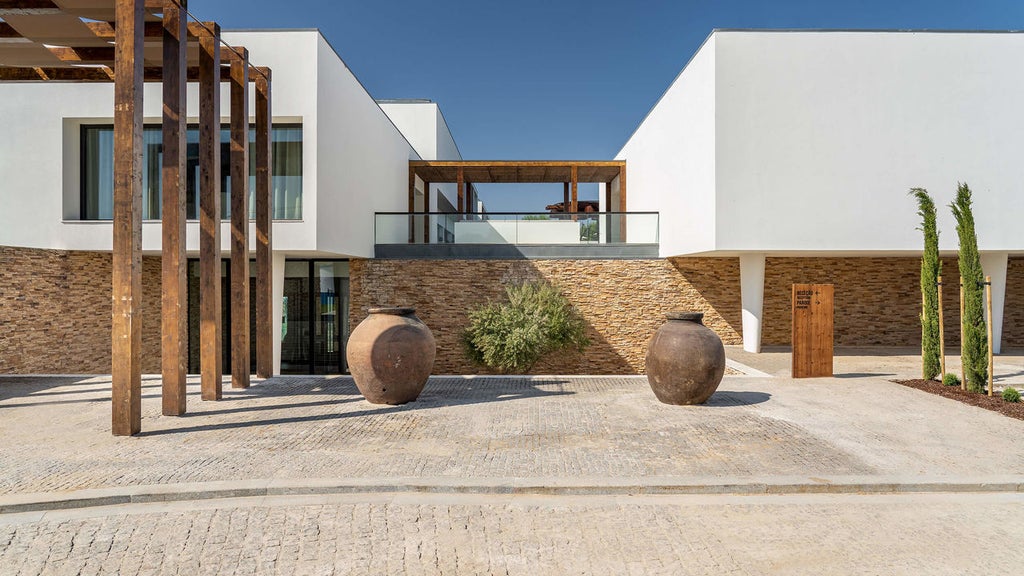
98, 172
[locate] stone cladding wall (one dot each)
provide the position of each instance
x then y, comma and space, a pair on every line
55, 312
1013, 307
877, 300
622, 301
55, 304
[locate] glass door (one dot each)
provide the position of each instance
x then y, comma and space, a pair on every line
330, 311
296, 352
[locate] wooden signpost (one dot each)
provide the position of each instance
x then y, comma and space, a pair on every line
812, 330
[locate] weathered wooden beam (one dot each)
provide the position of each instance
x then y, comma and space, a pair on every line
574, 208
126, 278
240, 353
30, 7
93, 74
211, 356
264, 229
85, 54
460, 180
174, 287
622, 204
426, 215
412, 203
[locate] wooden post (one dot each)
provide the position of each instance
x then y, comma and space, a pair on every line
988, 308
240, 353
264, 231
412, 203
608, 209
622, 204
126, 277
963, 372
942, 335
210, 354
574, 203
565, 196
174, 286
461, 182
426, 215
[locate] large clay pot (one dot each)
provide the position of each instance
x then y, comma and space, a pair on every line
685, 360
390, 355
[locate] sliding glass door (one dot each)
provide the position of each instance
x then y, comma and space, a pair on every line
314, 313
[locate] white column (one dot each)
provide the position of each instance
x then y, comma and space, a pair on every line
752, 294
278, 311
994, 265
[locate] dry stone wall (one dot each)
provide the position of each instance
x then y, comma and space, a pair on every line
55, 312
622, 301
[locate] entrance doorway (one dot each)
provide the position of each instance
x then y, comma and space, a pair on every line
314, 312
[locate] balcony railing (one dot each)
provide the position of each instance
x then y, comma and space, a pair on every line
517, 228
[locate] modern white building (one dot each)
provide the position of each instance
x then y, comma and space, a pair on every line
804, 144
773, 158
339, 157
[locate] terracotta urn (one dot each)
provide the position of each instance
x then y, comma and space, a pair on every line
390, 355
685, 360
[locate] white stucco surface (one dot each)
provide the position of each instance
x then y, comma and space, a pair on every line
807, 142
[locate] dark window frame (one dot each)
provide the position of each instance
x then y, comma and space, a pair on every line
84, 128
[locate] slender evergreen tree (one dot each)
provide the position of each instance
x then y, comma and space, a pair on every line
974, 348
930, 270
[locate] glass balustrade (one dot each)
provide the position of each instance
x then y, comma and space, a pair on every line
540, 228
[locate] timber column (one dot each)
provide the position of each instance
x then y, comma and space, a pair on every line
210, 351
126, 277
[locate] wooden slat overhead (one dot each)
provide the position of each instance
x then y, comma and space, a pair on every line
517, 171
55, 30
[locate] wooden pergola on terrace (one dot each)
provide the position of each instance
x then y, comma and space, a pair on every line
129, 42
612, 173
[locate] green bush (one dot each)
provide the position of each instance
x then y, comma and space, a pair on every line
950, 380
511, 336
1011, 394
930, 270
974, 348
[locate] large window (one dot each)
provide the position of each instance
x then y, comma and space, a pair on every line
98, 172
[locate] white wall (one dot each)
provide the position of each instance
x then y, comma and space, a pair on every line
424, 126
362, 160
39, 155
821, 134
670, 159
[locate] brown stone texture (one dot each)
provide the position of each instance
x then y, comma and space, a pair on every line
622, 301
55, 312
877, 300
1013, 307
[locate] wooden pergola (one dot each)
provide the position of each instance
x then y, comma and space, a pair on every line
569, 173
129, 42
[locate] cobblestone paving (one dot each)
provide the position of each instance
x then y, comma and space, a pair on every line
893, 535
316, 427
56, 433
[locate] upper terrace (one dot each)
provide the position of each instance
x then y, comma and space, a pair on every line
472, 232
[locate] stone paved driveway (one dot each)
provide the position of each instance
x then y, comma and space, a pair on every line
912, 535
56, 433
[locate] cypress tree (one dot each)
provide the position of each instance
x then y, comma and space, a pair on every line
930, 269
974, 348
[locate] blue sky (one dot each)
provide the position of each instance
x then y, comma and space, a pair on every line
555, 79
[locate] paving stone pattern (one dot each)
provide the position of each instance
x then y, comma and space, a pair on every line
856, 535
322, 427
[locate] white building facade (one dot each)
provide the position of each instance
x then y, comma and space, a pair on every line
804, 144
338, 158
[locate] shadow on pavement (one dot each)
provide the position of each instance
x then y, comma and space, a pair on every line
439, 393
724, 398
